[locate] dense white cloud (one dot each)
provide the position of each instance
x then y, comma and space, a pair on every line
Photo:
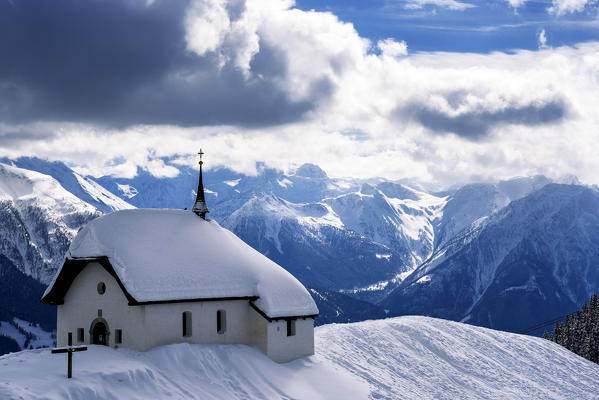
562, 7
434, 117
211, 27
390, 47
315, 48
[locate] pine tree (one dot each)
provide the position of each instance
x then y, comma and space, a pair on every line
580, 331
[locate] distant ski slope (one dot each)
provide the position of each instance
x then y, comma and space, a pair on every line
400, 358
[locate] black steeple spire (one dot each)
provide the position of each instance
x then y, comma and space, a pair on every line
200, 207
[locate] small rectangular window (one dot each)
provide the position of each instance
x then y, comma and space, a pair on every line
186, 318
290, 327
221, 322
80, 337
118, 336
70, 339
99, 313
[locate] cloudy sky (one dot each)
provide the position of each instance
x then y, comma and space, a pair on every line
439, 91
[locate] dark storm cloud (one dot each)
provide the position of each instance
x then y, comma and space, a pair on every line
477, 123
15, 137
123, 62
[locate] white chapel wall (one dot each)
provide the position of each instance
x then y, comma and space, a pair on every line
259, 330
165, 322
82, 302
283, 348
147, 326
271, 337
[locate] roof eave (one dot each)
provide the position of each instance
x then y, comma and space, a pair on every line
287, 317
73, 266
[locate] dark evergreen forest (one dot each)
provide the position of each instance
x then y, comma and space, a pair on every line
579, 332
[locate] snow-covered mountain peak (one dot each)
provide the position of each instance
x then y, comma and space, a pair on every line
310, 171
399, 191
29, 187
516, 188
529, 262
38, 219
83, 188
367, 189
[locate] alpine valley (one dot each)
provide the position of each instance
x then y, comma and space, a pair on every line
506, 255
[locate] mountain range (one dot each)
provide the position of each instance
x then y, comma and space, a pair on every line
505, 255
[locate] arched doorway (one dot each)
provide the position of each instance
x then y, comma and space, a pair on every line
99, 332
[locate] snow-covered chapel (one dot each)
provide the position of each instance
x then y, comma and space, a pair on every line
148, 277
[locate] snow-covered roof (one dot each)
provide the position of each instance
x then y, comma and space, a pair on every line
162, 255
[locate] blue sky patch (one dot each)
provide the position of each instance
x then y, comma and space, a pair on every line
479, 27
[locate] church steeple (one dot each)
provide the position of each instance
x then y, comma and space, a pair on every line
200, 207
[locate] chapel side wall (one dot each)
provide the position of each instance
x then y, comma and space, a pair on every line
259, 330
282, 348
147, 326
165, 323
81, 305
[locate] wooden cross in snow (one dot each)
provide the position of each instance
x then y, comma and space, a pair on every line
69, 350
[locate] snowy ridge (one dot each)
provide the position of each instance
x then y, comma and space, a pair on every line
25, 187
425, 358
102, 196
532, 261
393, 215
400, 358
399, 227
274, 210
39, 219
84, 188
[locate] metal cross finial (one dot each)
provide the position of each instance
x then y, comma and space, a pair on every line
201, 153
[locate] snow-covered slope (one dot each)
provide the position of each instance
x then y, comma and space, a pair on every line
311, 242
534, 260
472, 202
38, 219
394, 215
401, 358
367, 239
84, 188
27, 335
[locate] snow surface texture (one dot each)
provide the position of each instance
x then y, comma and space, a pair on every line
174, 254
400, 358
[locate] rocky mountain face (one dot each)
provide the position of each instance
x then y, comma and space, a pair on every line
534, 260
38, 219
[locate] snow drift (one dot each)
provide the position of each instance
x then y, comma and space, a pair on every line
406, 357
